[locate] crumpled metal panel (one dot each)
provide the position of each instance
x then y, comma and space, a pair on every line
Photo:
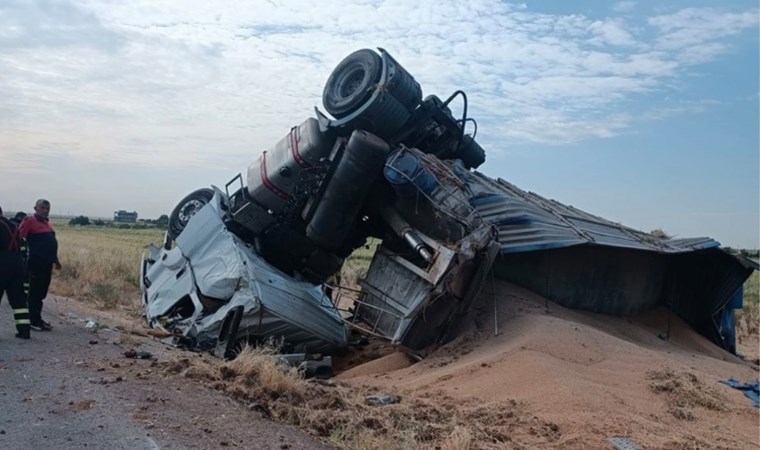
212, 263
213, 254
413, 305
170, 281
528, 222
400, 302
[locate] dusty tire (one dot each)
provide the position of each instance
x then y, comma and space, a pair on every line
186, 208
352, 82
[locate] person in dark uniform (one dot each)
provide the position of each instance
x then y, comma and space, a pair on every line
43, 256
12, 275
18, 218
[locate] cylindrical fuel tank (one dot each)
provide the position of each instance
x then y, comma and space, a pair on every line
295, 159
471, 153
361, 164
401, 84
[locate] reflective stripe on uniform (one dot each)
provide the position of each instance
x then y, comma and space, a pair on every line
21, 315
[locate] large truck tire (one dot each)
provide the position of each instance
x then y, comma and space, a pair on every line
352, 83
186, 208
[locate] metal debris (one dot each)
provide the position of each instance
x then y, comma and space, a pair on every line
621, 443
382, 399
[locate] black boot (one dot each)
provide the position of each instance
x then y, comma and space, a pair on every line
22, 332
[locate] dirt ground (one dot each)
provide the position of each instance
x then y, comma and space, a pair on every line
73, 388
523, 373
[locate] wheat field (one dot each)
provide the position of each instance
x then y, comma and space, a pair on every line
100, 264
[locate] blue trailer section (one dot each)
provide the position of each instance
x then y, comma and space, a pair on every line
583, 261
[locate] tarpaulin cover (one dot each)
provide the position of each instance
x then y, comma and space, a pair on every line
751, 390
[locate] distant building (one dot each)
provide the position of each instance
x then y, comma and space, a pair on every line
122, 216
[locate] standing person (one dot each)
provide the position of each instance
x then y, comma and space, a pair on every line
18, 218
12, 275
43, 255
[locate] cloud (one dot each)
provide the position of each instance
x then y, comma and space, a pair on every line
549, 128
624, 7
693, 27
52, 24
192, 84
611, 32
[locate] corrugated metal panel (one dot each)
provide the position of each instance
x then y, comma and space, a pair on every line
528, 222
693, 243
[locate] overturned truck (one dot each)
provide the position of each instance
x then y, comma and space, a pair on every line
258, 259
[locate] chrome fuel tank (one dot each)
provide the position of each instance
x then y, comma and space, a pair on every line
295, 161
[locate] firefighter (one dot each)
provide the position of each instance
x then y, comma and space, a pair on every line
18, 218
43, 256
12, 275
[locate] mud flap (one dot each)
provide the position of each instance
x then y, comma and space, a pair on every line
225, 345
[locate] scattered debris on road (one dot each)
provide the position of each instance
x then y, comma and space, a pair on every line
134, 354
382, 399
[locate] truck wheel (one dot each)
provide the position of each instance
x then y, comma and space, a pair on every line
351, 83
186, 208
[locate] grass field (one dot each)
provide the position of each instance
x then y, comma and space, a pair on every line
748, 318
100, 264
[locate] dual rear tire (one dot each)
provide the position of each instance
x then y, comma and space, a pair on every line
355, 86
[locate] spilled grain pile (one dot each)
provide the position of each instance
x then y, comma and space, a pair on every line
589, 374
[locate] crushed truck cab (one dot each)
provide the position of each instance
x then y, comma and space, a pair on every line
252, 261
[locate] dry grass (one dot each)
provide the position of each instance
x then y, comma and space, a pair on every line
684, 391
255, 374
356, 266
101, 265
748, 318
459, 439
338, 413
659, 233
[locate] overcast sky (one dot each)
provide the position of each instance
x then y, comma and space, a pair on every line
645, 113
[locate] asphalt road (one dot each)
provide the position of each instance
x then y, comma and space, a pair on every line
71, 388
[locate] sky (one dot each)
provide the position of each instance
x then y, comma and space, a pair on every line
642, 112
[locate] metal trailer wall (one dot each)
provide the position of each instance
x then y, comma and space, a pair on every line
587, 262
599, 279
700, 286
696, 286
